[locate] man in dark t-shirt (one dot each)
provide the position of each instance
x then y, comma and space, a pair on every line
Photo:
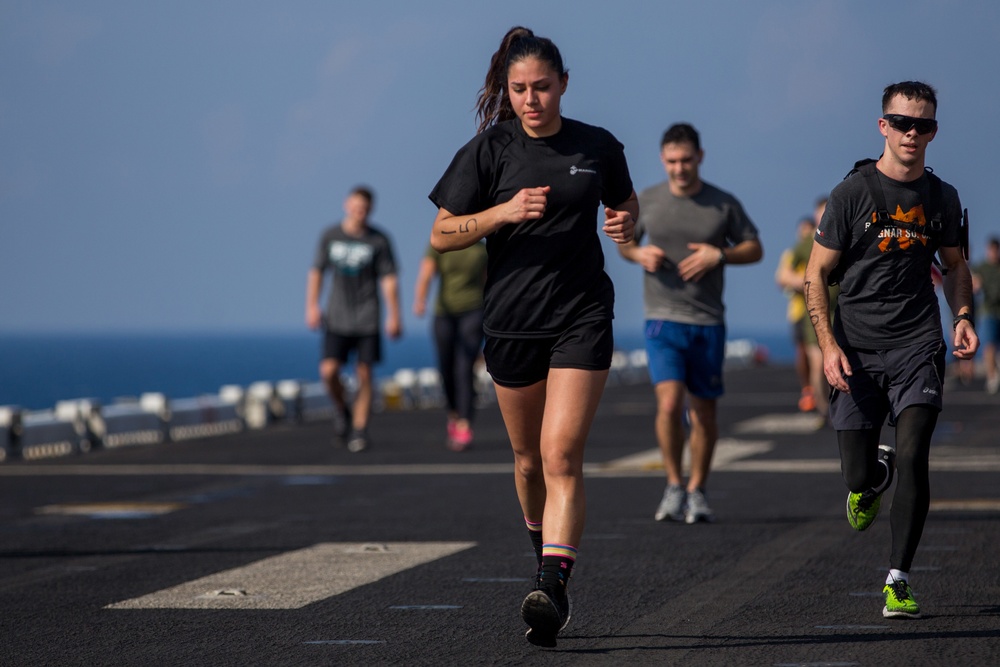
359, 257
884, 354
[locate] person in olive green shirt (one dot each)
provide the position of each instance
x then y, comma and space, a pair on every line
788, 276
458, 329
793, 279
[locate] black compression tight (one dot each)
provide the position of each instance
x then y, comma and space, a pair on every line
862, 470
459, 339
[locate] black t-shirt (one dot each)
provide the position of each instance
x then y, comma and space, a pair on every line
887, 299
357, 264
542, 275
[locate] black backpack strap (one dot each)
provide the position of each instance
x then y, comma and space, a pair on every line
935, 219
867, 170
933, 214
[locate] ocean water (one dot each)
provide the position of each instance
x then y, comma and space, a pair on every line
37, 370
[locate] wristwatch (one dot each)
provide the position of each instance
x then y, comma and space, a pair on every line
722, 257
963, 316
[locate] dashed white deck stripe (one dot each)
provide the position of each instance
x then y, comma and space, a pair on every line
801, 423
297, 578
111, 510
964, 505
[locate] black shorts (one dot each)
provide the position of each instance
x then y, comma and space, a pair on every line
339, 347
885, 382
519, 362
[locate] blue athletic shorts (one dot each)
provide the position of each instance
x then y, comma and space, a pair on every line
688, 353
989, 330
886, 382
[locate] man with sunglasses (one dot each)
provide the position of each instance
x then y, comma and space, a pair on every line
884, 354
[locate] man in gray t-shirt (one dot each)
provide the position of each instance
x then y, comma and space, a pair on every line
360, 259
884, 355
693, 230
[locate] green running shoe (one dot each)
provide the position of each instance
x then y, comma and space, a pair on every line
899, 602
862, 508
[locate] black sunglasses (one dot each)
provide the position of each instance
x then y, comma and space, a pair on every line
906, 123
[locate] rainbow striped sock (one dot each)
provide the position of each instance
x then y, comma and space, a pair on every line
561, 550
557, 563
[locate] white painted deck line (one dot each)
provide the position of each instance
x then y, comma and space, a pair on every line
731, 454
111, 510
798, 423
295, 579
727, 450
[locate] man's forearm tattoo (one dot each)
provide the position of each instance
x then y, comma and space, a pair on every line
810, 306
470, 225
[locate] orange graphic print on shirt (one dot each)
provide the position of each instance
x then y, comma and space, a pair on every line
899, 238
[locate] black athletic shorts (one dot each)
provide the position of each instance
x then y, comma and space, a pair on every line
885, 382
519, 362
339, 347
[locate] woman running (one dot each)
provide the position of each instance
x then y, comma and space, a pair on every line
530, 183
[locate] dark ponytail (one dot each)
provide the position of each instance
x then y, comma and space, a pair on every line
493, 105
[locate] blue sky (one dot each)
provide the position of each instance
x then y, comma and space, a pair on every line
168, 166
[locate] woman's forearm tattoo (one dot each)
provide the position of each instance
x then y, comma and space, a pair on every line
470, 225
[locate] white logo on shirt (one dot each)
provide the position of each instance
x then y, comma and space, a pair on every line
350, 257
574, 170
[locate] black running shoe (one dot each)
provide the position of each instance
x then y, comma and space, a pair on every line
341, 425
546, 610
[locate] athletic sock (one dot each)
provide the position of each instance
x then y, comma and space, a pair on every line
535, 533
557, 563
897, 575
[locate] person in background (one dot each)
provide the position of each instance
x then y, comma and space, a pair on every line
819, 389
530, 183
789, 277
986, 282
884, 353
695, 229
458, 329
360, 260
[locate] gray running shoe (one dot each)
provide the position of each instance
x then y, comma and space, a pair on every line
672, 505
357, 442
697, 508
